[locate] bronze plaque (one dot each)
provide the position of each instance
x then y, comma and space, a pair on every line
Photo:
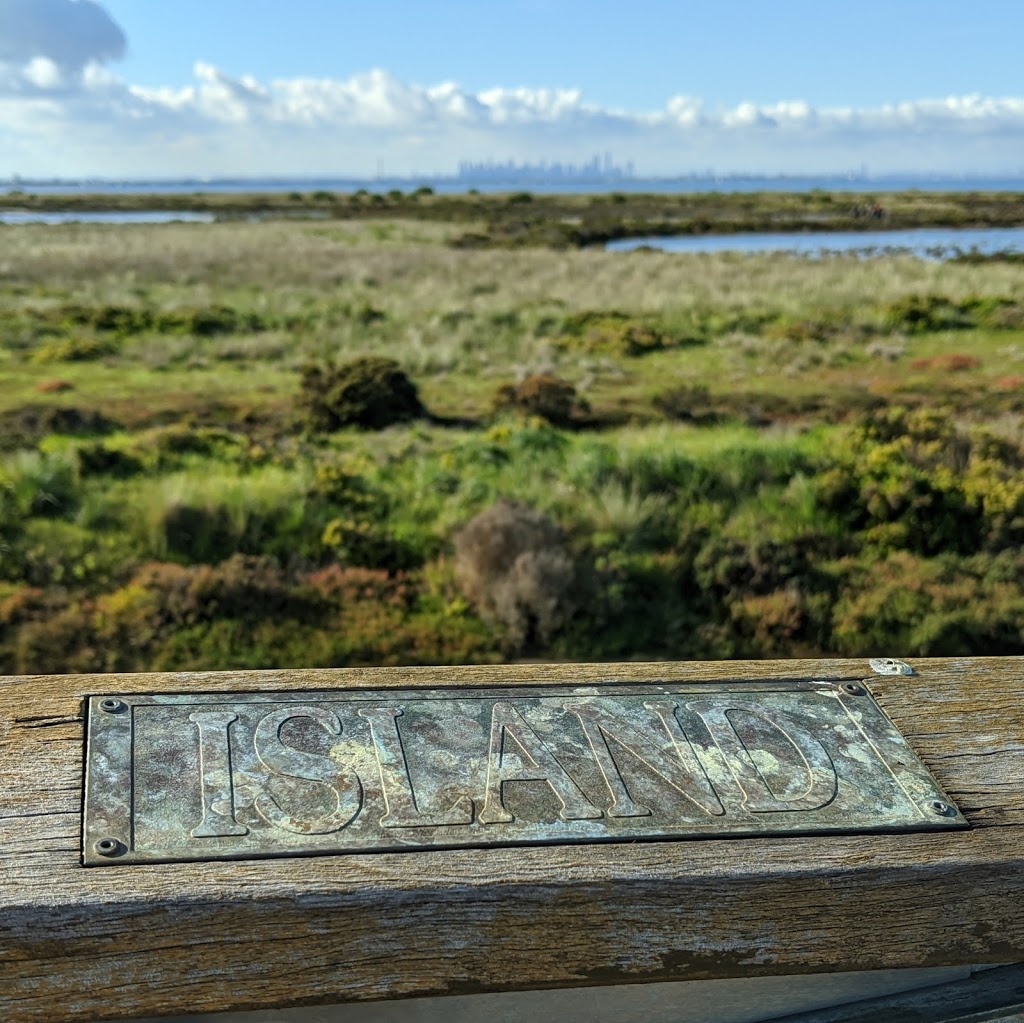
242, 775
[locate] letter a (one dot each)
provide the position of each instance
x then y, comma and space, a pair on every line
533, 762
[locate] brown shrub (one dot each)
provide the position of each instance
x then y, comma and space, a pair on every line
541, 394
951, 363
350, 584
512, 565
54, 386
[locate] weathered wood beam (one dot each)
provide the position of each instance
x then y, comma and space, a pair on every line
81, 944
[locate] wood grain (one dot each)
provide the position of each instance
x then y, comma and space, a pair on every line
81, 944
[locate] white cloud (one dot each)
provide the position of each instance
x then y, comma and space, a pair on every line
220, 124
43, 73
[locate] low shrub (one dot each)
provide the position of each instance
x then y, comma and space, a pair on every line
367, 543
73, 349
512, 565
125, 321
370, 392
612, 333
951, 362
98, 459
544, 395
54, 386
349, 584
688, 404
920, 314
40, 485
931, 607
26, 426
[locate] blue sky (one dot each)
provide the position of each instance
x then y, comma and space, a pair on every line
208, 87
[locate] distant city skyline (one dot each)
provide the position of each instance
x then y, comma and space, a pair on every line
334, 88
600, 167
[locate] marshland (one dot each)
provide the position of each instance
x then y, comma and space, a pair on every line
344, 430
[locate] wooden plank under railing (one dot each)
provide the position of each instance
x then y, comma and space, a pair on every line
147, 939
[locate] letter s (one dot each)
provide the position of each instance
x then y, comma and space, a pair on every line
292, 763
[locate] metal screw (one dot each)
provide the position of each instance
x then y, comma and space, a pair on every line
937, 806
112, 706
109, 847
851, 689
890, 666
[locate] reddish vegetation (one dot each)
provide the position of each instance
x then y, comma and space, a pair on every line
54, 386
1011, 383
951, 363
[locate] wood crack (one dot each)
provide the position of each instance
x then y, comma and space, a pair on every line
41, 813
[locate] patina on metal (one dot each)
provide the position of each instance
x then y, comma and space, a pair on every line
243, 775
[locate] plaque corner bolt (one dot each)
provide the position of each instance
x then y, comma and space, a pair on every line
941, 808
110, 847
112, 706
850, 689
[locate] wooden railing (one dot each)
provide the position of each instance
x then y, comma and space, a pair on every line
146, 938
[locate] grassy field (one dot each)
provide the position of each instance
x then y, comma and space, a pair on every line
749, 456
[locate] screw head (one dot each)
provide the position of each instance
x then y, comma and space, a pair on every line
851, 689
110, 847
890, 666
112, 706
941, 808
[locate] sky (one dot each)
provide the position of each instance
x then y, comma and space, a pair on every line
227, 88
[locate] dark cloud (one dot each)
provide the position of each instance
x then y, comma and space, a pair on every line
71, 33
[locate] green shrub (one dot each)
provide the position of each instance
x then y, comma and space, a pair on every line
200, 517
113, 318
899, 483
26, 426
98, 459
612, 333
37, 484
369, 392
920, 314
165, 445
73, 349
368, 544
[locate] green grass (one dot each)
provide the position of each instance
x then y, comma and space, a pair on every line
748, 487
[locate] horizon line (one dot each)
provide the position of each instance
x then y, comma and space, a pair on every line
847, 175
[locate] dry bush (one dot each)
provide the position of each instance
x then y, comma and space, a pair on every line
952, 362
512, 565
54, 386
541, 394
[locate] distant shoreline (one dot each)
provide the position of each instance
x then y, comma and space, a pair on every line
563, 184
532, 219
